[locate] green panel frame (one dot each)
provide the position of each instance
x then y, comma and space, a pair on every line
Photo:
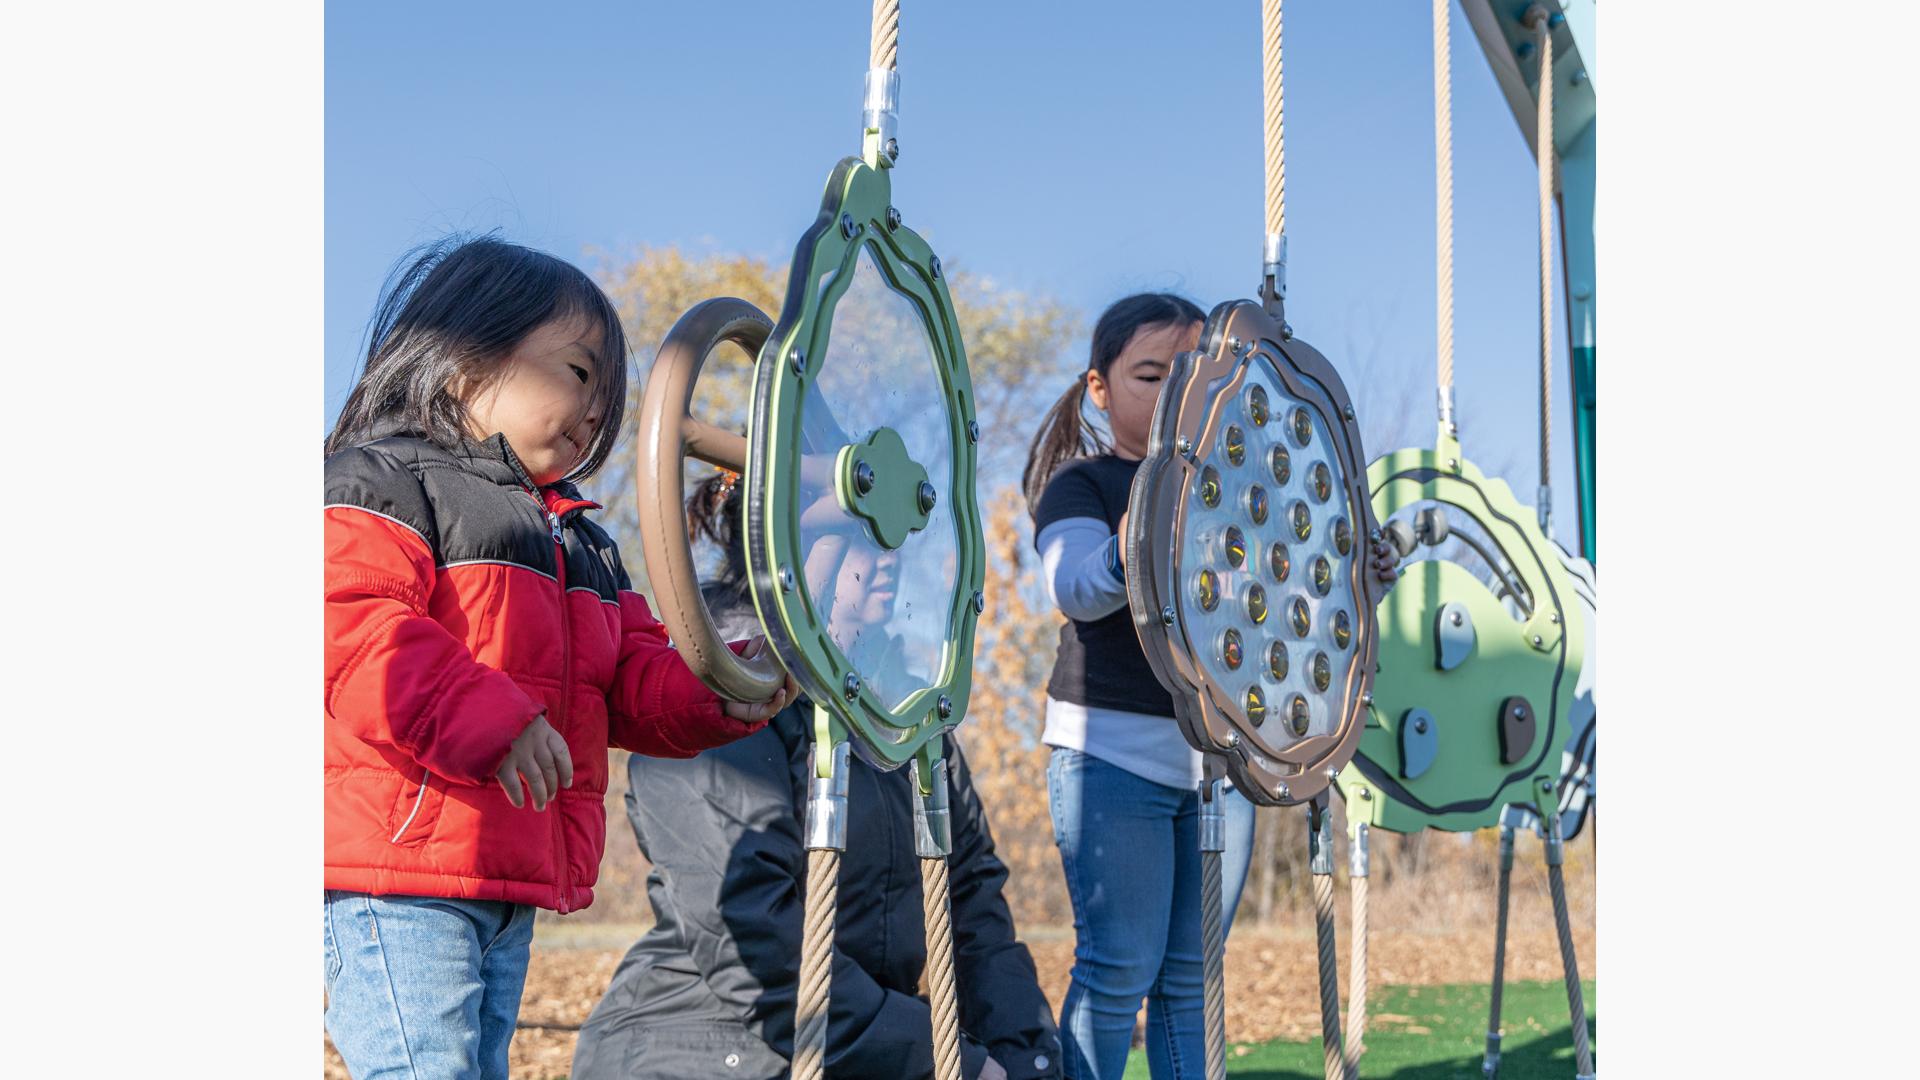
1540, 660
856, 214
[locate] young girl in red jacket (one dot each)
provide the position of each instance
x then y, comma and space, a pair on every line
484, 648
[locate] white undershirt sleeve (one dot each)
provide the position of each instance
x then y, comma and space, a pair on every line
1077, 560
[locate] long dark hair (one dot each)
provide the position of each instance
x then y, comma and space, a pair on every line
713, 513
448, 314
1065, 434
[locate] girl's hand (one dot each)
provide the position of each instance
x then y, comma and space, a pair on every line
758, 712
540, 756
1386, 562
1120, 531
992, 1070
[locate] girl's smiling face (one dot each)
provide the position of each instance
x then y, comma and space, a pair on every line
1131, 386
543, 400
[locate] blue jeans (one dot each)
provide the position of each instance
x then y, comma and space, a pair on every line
1131, 851
420, 986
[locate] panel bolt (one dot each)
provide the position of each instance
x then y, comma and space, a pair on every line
945, 707
934, 265
893, 218
862, 477
786, 579
979, 602
797, 360
852, 685
1166, 616
973, 431
928, 497
846, 226
893, 149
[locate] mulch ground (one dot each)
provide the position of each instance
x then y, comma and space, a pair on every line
1271, 980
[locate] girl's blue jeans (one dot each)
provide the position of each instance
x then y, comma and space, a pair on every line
424, 987
1131, 851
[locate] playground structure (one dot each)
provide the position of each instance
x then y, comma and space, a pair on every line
863, 535
1485, 640
1247, 583
1462, 700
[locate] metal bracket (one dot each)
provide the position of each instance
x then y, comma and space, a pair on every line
1358, 856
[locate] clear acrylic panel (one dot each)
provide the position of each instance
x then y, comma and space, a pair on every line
888, 610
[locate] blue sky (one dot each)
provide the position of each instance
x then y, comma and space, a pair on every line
1080, 149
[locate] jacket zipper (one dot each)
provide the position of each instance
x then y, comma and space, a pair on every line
566, 685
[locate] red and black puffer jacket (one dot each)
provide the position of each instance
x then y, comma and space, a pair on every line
462, 601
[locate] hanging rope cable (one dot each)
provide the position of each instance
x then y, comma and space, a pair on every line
1213, 935
1320, 865
816, 964
1543, 44
933, 841
880, 110
1443, 196
1274, 251
885, 51
826, 838
940, 992
1276, 116
1358, 858
1490, 1064
1569, 963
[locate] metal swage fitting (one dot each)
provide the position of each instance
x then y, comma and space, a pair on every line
827, 804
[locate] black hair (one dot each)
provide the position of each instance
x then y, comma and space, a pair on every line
713, 512
1065, 434
450, 311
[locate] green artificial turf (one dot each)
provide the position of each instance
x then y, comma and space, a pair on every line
1431, 1033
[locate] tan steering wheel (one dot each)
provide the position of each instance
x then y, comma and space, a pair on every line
668, 435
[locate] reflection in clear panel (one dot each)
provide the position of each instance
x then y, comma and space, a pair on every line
887, 610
